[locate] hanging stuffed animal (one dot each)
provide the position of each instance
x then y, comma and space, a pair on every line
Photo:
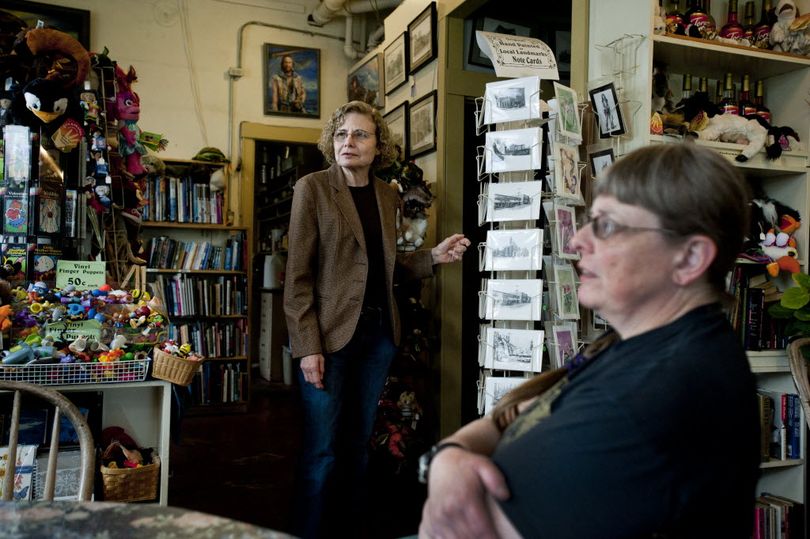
128, 111
790, 32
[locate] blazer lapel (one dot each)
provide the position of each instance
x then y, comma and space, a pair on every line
388, 221
345, 204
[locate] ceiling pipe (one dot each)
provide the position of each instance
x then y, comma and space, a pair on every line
376, 37
329, 9
348, 45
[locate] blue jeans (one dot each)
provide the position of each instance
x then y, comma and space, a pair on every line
338, 421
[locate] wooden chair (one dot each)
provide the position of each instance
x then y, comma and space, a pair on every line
800, 369
62, 406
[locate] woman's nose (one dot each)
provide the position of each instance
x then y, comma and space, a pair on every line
582, 238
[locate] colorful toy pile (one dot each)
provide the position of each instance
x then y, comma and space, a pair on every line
58, 327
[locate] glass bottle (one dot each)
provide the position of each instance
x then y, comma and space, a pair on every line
703, 85
732, 29
718, 92
759, 100
696, 19
762, 29
686, 88
747, 107
748, 22
675, 19
729, 103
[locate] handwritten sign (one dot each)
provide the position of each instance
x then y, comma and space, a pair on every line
518, 56
82, 275
70, 331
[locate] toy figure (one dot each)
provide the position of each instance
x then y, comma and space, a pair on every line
5, 108
790, 32
89, 105
128, 111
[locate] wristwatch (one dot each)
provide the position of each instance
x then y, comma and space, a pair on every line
428, 456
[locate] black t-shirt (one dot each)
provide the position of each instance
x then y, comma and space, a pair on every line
658, 434
365, 200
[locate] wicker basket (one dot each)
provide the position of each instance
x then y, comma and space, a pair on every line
174, 369
131, 484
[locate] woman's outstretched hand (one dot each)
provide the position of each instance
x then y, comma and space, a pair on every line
450, 250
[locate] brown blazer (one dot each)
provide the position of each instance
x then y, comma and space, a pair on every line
327, 266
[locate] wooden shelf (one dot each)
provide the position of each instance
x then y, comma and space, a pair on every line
272, 219
202, 272
704, 58
226, 358
194, 162
195, 226
787, 463
225, 316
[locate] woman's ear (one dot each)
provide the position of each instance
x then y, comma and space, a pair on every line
693, 259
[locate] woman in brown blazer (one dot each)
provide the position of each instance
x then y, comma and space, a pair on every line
340, 308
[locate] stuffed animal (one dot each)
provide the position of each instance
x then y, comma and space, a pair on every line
770, 239
790, 32
128, 111
412, 231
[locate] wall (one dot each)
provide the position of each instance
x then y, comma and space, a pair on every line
151, 37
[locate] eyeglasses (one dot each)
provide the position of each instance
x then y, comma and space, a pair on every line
605, 227
357, 134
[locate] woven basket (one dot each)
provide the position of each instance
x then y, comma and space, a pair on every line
131, 484
174, 369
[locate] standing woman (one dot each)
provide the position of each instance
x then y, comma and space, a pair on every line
341, 313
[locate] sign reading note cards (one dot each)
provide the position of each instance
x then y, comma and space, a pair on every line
83, 275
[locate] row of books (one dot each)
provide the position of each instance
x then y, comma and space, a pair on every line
185, 295
164, 252
753, 294
780, 425
213, 339
777, 517
219, 383
182, 200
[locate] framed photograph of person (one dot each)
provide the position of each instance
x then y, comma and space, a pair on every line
515, 149
513, 349
568, 117
395, 60
423, 44
74, 22
397, 121
565, 226
608, 112
561, 338
495, 387
513, 299
566, 173
565, 289
514, 250
365, 82
512, 100
600, 160
513, 201
292, 81
488, 24
422, 125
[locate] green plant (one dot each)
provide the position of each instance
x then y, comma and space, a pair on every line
795, 306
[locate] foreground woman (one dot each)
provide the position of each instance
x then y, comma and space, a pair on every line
654, 429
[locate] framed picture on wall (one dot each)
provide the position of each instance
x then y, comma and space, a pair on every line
423, 44
397, 121
396, 63
75, 22
365, 82
422, 125
488, 24
292, 81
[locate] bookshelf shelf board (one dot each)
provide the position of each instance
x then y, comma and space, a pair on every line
226, 358
196, 272
768, 361
705, 58
195, 316
194, 162
195, 226
781, 463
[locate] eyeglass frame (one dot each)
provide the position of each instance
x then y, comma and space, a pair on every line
342, 135
598, 229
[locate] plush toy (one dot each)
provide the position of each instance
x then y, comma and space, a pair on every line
703, 119
790, 32
770, 239
780, 247
412, 230
128, 111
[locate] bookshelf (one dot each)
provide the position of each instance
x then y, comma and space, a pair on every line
197, 263
624, 48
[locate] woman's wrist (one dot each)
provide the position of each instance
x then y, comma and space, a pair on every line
427, 458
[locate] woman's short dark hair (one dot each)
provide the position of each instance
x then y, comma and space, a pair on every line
385, 144
692, 190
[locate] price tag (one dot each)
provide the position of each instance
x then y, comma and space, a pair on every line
82, 275
70, 331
